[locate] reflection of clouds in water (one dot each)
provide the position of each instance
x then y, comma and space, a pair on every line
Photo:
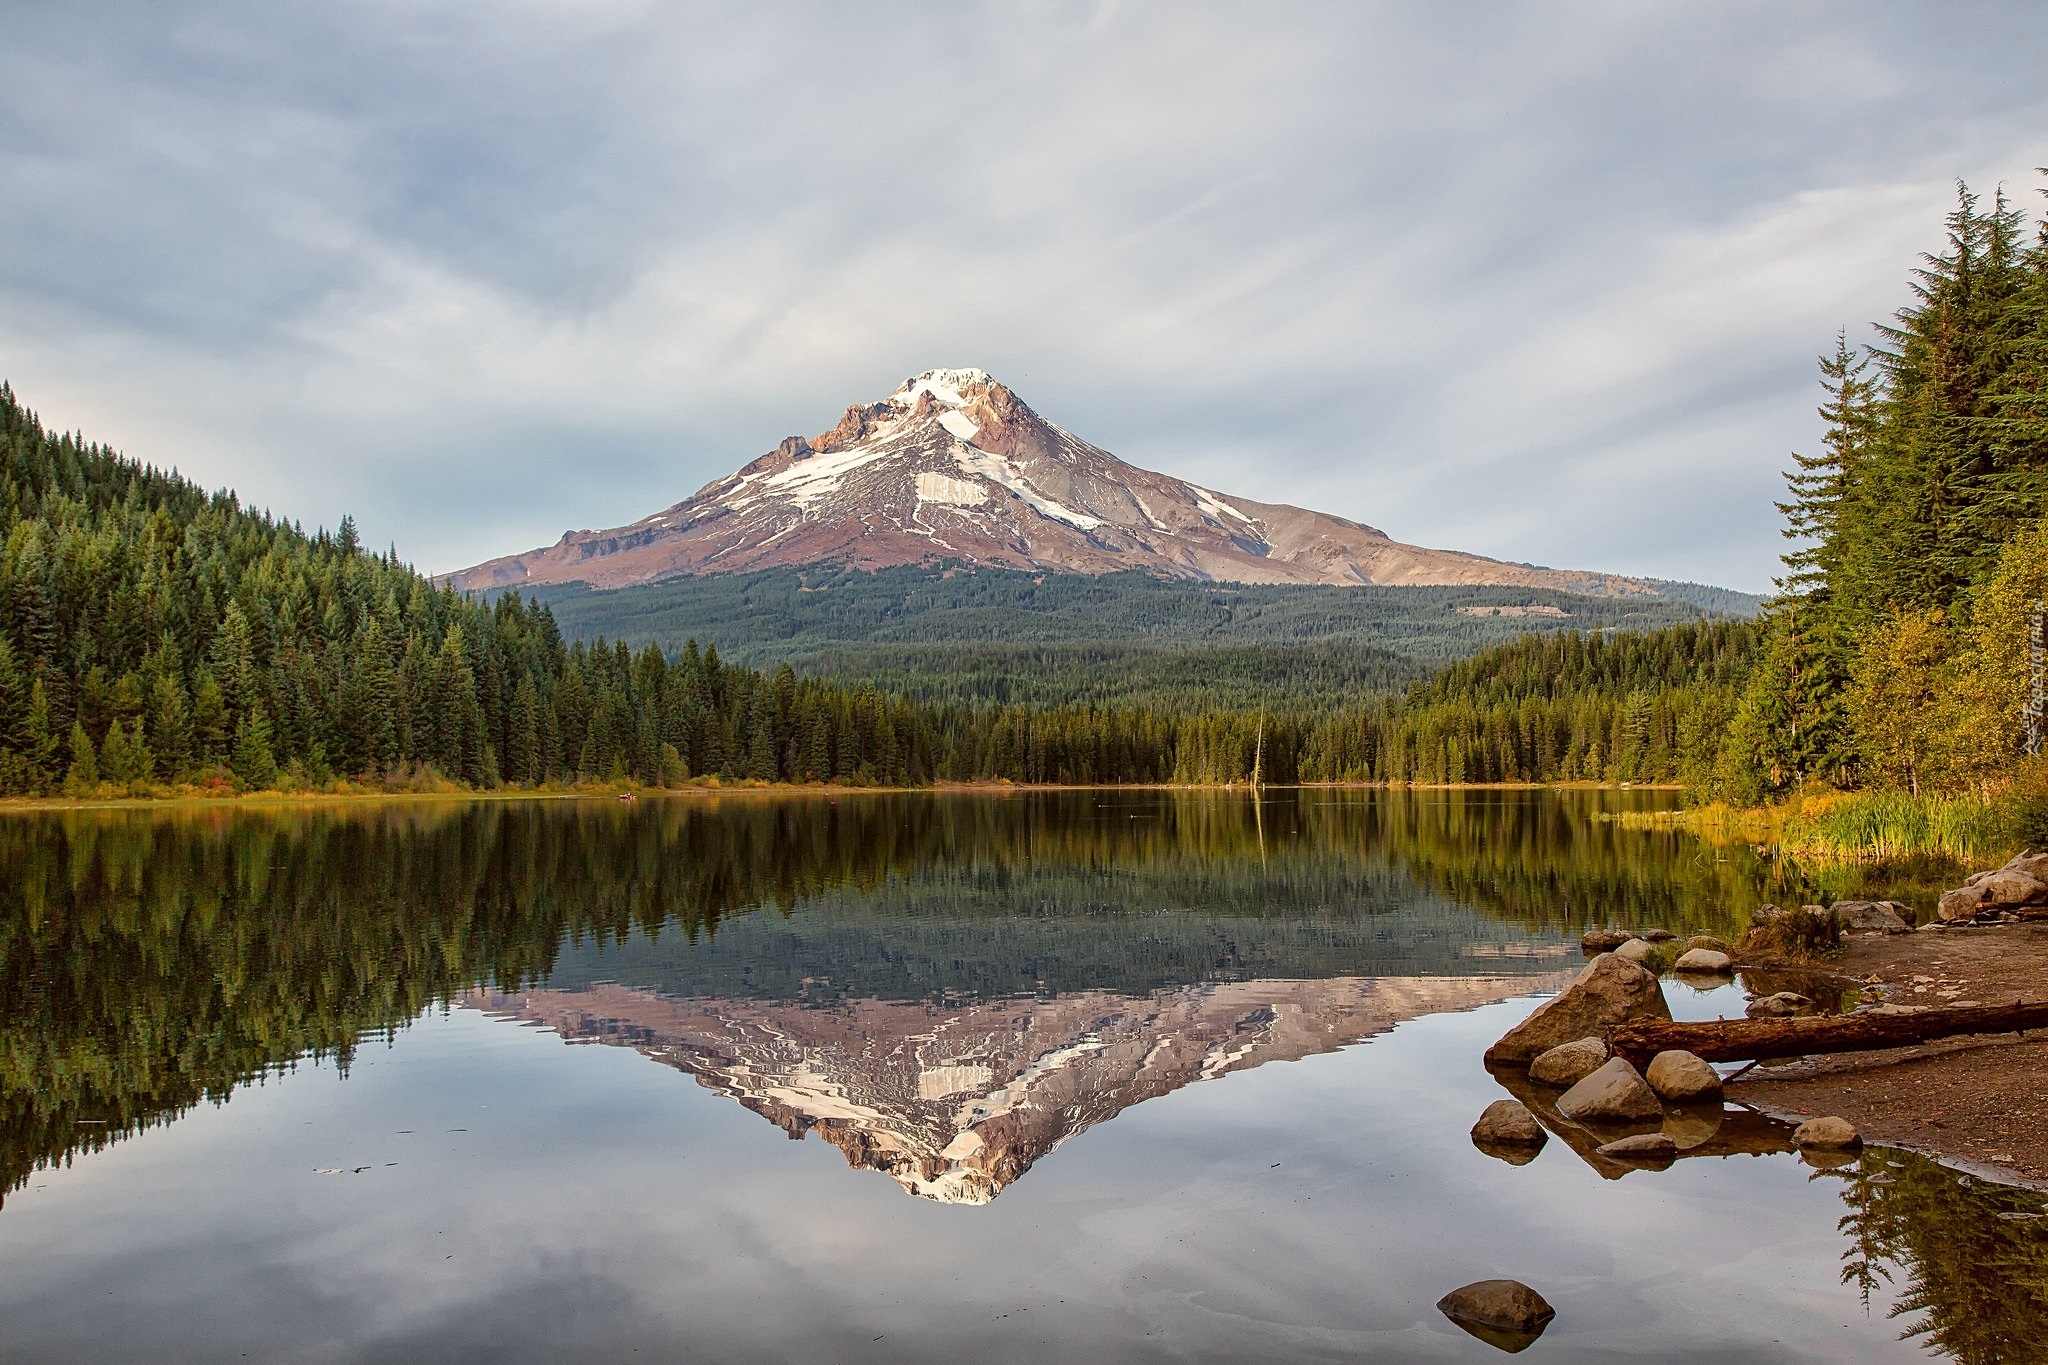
598, 1205
173, 952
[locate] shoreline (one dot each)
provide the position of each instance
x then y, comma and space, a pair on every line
751, 788
1973, 1103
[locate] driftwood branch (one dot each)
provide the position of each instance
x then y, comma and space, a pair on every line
1742, 1040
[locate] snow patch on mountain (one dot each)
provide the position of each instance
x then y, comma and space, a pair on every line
999, 470
923, 474
945, 488
944, 385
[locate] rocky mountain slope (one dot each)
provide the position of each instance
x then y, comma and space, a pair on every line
955, 466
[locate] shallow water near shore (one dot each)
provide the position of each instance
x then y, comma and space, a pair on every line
1107, 1076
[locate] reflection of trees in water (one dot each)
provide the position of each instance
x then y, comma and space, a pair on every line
1971, 1278
152, 959
1550, 864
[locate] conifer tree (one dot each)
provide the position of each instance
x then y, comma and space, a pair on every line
253, 763
84, 774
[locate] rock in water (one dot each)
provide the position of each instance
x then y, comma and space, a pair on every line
1616, 1093
1508, 1123
1783, 1005
1658, 935
1644, 1148
1827, 1135
1705, 961
1694, 1126
1870, 917
1609, 992
1503, 1313
1682, 1078
1707, 941
1636, 950
1604, 940
1569, 1063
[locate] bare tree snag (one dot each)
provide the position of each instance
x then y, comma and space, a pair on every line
1742, 1040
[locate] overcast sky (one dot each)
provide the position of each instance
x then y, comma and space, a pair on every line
1542, 282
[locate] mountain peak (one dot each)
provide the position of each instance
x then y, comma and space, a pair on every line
954, 466
949, 388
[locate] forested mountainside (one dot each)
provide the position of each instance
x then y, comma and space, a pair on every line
150, 632
1897, 656
154, 636
946, 633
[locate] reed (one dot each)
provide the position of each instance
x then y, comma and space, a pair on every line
1889, 825
1856, 826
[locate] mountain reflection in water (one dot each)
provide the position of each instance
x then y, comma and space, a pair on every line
944, 986
955, 1101
152, 959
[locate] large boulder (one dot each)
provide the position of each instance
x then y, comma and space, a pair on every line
1508, 1123
2023, 881
1569, 1063
1962, 903
2035, 865
1610, 991
1616, 1093
1503, 1313
1683, 1078
1637, 950
1871, 917
1704, 961
2011, 887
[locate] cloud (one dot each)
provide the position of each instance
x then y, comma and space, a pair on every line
1541, 283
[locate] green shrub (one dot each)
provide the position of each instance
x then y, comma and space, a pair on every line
1796, 934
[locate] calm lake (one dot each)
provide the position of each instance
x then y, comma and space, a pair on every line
1087, 1076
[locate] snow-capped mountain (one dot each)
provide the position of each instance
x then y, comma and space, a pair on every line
956, 1101
955, 466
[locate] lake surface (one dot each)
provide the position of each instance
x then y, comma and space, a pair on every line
926, 1077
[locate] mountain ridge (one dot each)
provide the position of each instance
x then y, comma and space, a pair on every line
954, 466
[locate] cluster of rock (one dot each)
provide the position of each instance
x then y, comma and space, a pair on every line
1851, 917
2019, 890
1619, 1119
1628, 1117
1703, 955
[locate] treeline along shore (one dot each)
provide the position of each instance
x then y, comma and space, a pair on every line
159, 640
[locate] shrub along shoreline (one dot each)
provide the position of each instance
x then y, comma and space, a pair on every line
1877, 826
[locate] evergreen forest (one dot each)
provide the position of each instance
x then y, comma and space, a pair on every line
1897, 655
155, 638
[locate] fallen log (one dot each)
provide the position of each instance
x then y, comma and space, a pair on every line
1745, 1040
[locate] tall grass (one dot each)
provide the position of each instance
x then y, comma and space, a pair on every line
1889, 825
1858, 826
